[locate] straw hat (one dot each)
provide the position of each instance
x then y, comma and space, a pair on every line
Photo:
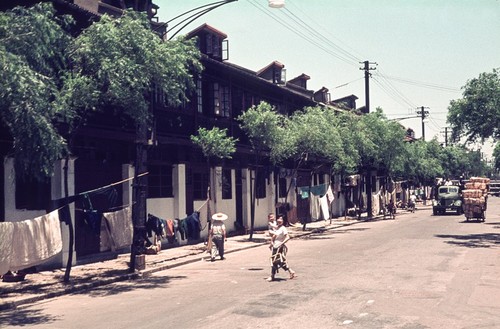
219, 216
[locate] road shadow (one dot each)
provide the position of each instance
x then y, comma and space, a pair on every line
486, 240
25, 318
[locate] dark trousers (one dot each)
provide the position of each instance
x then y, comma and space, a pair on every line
218, 242
278, 259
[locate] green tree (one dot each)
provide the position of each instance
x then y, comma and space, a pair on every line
32, 55
265, 128
496, 157
380, 143
125, 59
214, 144
477, 114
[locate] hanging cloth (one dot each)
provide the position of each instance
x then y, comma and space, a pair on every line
35, 240
319, 190
120, 226
6, 234
329, 195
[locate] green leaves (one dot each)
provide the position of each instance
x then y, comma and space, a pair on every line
125, 58
51, 82
31, 45
267, 131
477, 114
215, 143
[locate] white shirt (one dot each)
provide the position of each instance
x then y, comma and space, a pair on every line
280, 235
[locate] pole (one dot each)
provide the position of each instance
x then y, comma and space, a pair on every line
368, 185
423, 114
446, 136
139, 195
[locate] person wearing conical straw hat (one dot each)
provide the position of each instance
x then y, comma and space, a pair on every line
218, 235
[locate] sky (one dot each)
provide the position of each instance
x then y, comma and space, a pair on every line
425, 51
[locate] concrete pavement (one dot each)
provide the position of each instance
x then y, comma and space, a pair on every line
49, 284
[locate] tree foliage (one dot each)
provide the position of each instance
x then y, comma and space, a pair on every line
477, 113
126, 60
267, 131
214, 143
32, 44
52, 82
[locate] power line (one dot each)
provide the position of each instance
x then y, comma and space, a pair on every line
300, 33
421, 84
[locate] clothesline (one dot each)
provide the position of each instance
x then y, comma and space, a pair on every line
112, 184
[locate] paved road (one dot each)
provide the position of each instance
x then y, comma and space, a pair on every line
418, 271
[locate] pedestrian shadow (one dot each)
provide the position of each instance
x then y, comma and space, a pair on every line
486, 240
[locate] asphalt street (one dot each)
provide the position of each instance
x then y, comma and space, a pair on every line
418, 271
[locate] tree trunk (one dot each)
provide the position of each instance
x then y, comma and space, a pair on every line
70, 222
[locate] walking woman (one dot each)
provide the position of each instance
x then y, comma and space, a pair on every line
279, 238
218, 235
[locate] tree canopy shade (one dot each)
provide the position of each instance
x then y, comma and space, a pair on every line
477, 114
32, 45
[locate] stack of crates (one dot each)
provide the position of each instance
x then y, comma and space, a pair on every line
475, 196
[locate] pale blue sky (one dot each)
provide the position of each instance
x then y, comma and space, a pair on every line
425, 50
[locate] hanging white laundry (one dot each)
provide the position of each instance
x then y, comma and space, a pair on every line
35, 241
6, 234
329, 195
120, 225
323, 202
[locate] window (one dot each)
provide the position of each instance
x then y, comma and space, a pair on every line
216, 100
221, 100
227, 184
261, 186
199, 95
31, 194
213, 46
225, 101
201, 182
160, 181
282, 188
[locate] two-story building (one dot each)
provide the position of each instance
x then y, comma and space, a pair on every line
104, 151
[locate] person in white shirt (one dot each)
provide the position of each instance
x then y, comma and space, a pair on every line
279, 238
218, 236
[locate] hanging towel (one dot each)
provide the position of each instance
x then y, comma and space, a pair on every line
323, 203
120, 226
6, 234
319, 190
329, 195
35, 241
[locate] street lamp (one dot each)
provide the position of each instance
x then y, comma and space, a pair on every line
195, 14
277, 3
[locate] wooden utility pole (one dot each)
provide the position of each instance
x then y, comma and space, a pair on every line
367, 70
423, 114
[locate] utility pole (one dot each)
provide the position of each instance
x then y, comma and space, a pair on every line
368, 175
446, 136
367, 70
423, 114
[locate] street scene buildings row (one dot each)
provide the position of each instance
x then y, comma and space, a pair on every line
101, 169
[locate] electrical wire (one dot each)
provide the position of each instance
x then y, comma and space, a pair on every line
302, 34
420, 84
